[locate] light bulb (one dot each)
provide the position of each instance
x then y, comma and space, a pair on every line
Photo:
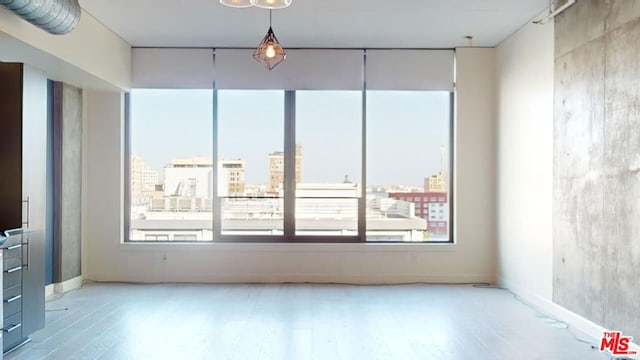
271, 52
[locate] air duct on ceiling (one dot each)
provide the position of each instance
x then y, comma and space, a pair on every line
57, 17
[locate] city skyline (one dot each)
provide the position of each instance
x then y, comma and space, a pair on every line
419, 118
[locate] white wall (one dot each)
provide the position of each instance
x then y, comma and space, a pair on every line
90, 56
525, 63
471, 259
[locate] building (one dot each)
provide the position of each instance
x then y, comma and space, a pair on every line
189, 178
431, 206
437, 182
193, 177
143, 178
276, 169
234, 172
321, 210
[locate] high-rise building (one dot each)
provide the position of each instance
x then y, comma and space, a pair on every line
436, 183
143, 178
276, 169
235, 174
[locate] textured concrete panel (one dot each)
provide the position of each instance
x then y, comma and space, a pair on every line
580, 104
622, 255
581, 234
622, 12
597, 164
71, 201
623, 65
581, 23
622, 130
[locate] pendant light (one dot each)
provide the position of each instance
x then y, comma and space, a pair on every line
271, 4
237, 3
270, 52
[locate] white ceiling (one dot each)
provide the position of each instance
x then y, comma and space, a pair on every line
316, 23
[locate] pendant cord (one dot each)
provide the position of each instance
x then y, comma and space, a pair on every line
269, 17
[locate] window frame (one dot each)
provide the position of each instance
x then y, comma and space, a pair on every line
289, 235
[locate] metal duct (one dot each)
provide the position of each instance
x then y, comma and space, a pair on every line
57, 17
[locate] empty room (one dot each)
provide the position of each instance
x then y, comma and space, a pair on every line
303, 179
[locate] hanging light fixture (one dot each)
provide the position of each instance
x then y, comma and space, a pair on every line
271, 4
270, 52
237, 3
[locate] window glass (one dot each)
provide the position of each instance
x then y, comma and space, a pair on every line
171, 137
408, 138
328, 162
251, 161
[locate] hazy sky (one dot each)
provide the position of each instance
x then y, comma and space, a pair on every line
405, 131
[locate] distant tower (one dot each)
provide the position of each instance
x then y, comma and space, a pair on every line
235, 172
438, 182
276, 168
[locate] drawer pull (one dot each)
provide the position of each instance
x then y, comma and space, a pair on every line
14, 327
28, 243
18, 246
10, 300
17, 268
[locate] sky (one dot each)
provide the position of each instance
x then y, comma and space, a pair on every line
405, 131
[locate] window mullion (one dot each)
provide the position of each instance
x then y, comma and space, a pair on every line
289, 185
216, 202
362, 202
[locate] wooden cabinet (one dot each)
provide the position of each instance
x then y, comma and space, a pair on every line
23, 144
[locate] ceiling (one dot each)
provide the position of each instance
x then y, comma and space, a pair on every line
317, 23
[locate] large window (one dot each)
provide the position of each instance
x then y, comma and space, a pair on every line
170, 163
408, 158
334, 164
250, 128
328, 162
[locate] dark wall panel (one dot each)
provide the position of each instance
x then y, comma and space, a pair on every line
10, 146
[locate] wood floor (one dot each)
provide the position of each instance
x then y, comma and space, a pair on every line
325, 322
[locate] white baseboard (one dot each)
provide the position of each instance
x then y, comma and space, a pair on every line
376, 279
575, 321
49, 290
71, 284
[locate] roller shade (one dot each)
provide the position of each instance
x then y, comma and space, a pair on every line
304, 69
410, 70
159, 68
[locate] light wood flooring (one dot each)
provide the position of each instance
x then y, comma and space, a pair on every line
324, 322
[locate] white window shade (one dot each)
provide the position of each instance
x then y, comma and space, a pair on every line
304, 69
410, 70
163, 68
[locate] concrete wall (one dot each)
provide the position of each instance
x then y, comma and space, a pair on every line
597, 163
472, 258
69, 216
525, 63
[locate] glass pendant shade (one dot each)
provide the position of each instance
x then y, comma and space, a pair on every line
270, 52
271, 4
237, 3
